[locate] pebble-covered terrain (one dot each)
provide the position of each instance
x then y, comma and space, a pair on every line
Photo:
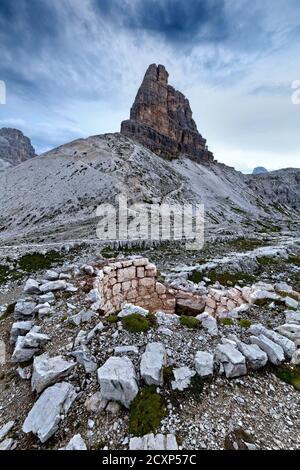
72, 377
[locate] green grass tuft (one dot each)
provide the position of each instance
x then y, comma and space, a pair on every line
136, 323
168, 374
36, 261
112, 319
146, 412
226, 321
245, 323
189, 322
289, 374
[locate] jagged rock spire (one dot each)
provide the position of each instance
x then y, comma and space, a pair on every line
161, 119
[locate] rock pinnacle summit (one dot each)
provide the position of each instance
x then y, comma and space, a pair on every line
161, 119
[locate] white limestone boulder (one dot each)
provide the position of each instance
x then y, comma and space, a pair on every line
154, 442
291, 303
152, 362
167, 319
49, 370
209, 323
24, 309
274, 352
51, 275
204, 364
129, 309
53, 286
182, 378
296, 357
291, 331
45, 415
233, 362
85, 316
32, 287
76, 443
255, 357
287, 345
20, 328
118, 380
292, 317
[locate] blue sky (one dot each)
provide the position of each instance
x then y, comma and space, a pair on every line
72, 69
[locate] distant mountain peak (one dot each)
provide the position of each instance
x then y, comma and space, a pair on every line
259, 169
161, 119
15, 147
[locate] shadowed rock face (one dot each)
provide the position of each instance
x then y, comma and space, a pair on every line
15, 147
161, 119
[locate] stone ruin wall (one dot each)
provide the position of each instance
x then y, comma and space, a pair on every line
133, 281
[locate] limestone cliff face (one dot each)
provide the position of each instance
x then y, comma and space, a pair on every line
161, 119
15, 148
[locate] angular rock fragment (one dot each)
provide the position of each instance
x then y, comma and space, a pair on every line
182, 378
233, 361
7, 444
51, 275
47, 298
152, 363
48, 370
292, 317
76, 443
4, 430
167, 319
24, 309
45, 415
262, 297
204, 364
291, 303
32, 287
296, 357
20, 328
118, 381
291, 331
154, 442
53, 286
287, 345
129, 309
120, 350
274, 352
209, 323
255, 357
85, 316
27, 346
84, 357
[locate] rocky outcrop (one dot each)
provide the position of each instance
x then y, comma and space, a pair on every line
15, 148
161, 119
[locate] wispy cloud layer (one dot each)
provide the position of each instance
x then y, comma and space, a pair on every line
72, 68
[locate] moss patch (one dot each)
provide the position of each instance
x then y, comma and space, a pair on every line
146, 412
289, 374
109, 253
222, 277
225, 321
168, 374
189, 322
245, 323
112, 319
36, 261
136, 323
